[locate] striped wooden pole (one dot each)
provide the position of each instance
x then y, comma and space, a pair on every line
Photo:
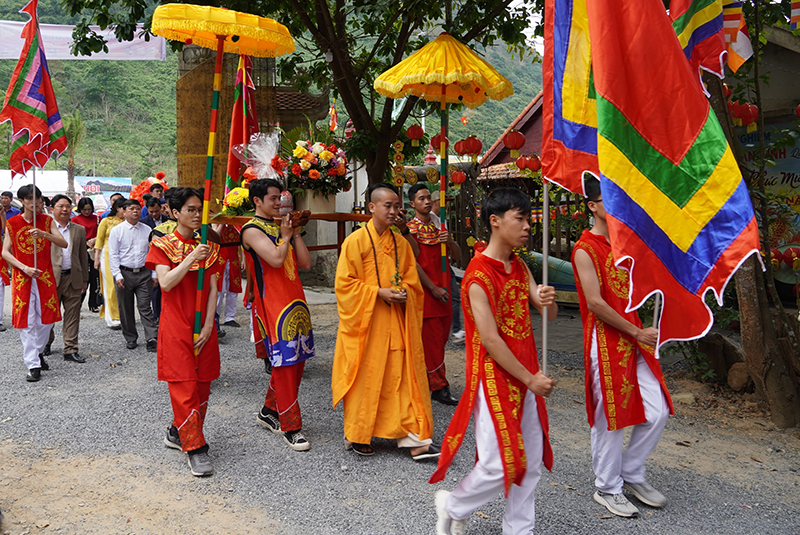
212, 139
443, 175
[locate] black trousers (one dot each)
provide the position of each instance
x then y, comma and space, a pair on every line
139, 286
94, 285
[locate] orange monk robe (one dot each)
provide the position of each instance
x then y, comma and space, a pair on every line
379, 364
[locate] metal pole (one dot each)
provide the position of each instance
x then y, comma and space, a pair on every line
545, 264
35, 240
443, 176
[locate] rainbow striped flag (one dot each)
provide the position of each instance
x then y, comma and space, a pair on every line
731, 15
698, 25
679, 214
794, 20
30, 104
244, 121
569, 133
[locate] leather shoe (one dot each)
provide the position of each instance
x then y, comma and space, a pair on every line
74, 357
46, 351
34, 374
152, 345
131, 345
444, 396
43, 363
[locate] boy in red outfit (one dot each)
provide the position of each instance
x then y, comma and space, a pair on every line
187, 365
505, 389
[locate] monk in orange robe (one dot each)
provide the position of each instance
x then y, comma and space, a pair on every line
379, 365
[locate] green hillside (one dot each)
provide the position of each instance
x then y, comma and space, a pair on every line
129, 106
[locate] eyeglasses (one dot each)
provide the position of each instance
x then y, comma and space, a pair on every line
190, 211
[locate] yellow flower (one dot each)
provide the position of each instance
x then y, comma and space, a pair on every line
305, 165
299, 152
326, 155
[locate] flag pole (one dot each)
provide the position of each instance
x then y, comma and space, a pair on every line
545, 264
212, 137
443, 177
35, 240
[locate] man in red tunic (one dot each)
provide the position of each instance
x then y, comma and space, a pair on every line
34, 294
437, 314
187, 365
274, 252
505, 389
625, 386
231, 241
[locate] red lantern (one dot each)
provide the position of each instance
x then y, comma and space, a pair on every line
726, 90
415, 133
522, 162
474, 146
535, 164
460, 147
349, 129
436, 142
514, 141
746, 115
791, 257
458, 177
754, 112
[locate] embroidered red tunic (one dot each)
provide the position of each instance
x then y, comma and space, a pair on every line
231, 240
176, 358
22, 246
430, 260
616, 350
505, 395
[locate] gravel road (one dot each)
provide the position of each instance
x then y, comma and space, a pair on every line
82, 452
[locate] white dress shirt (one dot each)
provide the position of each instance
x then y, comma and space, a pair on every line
128, 246
66, 259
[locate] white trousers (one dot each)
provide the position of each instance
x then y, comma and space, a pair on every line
613, 466
34, 336
227, 312
2, 299
485, 481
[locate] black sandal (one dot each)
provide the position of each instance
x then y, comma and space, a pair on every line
361, 449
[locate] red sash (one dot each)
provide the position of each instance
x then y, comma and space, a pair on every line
231, 240
22, 246
616, 350
505, 395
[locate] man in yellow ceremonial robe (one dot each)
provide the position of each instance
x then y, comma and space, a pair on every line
379, 366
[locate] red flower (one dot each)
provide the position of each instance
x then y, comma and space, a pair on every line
296, 170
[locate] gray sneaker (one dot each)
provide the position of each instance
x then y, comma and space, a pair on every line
646, 494
200, 463
616, 503
444, 524
172, 439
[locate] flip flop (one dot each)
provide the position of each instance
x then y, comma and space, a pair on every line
361, 449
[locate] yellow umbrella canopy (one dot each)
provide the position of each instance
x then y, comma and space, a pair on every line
468, 78
244, 33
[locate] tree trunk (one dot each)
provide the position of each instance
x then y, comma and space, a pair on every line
759, 339
761, 351
71, 179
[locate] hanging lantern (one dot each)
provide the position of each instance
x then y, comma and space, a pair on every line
754, 112
791, 257
415, 133
536, 163
460, 147
473, 146
514, 141
436, 142
777, 256
458, 178
349, 129
522, 162
726, 90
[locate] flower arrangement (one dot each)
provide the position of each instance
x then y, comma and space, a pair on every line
318, 167
237, 202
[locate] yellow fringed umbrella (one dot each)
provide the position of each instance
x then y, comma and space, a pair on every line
225, 31
444, 70
467, 77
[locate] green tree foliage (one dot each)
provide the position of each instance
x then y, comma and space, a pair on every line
364, 37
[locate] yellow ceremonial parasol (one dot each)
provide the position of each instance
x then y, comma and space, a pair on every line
226, 31
444, 71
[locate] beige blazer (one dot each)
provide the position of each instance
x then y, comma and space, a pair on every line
79, 273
